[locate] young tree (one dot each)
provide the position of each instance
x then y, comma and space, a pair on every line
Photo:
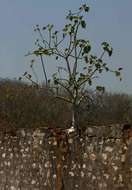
79, 66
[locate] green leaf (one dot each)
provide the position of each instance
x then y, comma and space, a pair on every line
86, 59
30, 76
50, 26
70, 18
82, 75
65, 29
42, 51
97, 65
32, 61
87, 49
107, 69
25, 73
86, 9
72, 29
80, 17
117, 73
120, 68
100, 88
110, 50
100, 70
44, 28
56, 32
83, 23
75, 21
90, 82
63, 35
56, 81
71, 80
107, 48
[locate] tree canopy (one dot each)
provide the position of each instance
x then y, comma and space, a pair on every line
79, 66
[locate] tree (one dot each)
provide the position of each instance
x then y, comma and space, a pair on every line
79, 66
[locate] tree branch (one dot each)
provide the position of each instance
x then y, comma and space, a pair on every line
44, 71
64, 99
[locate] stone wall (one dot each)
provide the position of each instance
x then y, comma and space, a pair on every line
49, 159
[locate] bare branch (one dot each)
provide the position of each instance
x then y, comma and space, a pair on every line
64, 99
75, 48
66, 88
33, 82
44, 71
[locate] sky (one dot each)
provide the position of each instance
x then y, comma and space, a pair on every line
108, 20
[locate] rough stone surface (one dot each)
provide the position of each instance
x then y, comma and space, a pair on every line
99, 160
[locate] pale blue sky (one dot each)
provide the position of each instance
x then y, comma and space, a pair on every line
108, 20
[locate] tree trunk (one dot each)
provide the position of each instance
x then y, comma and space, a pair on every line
58, 181
75, 116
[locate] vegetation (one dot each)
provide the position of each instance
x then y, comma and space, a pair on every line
25, 106
64, 101
77, 68
79, 65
